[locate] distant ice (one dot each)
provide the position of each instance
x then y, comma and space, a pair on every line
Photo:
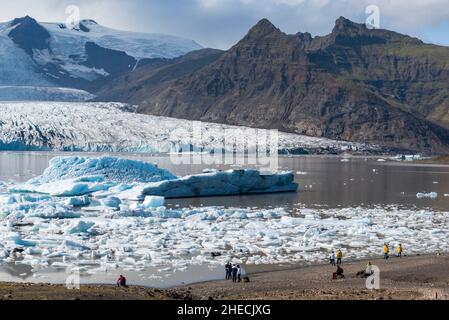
115, 127
430, 195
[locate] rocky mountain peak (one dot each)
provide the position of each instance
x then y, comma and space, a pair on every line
29, 34
345, 26
263, 28
27, 20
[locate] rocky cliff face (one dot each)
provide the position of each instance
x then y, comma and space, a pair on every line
354, 84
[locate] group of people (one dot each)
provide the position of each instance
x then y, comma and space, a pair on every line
234, 272
399, 250
335, 258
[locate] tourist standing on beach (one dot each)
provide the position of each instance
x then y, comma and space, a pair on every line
399, 251
332, 259
234, 273
239, 273
339, 256
386, 251
228, 269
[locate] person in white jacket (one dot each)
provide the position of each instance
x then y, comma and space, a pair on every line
332, 258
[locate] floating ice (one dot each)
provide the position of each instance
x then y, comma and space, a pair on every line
153, 202
109, 168
431, 195
232, 182
78, 201
80, 227
111, 202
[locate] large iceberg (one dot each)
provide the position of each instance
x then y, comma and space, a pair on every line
134, 180
221, 183
110, 168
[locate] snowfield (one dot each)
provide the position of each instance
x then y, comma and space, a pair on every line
27, 77
100, 231
114, 127
66, 42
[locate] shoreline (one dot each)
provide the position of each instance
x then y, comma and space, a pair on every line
418, 277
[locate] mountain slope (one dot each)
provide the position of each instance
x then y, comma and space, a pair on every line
52, 55
354, 84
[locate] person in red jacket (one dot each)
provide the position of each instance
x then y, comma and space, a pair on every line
121, 282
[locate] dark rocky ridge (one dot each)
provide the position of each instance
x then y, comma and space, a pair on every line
29, 35
355, 84
112, 61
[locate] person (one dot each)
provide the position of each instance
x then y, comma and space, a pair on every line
399, 251
340, 272
369, 270
228, 269
234, 273
339, 256
332, 259
239, 273
121, 282
386, 251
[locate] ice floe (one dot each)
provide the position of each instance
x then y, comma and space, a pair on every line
430, 195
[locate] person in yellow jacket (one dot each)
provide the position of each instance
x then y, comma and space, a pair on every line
399, 251
386, 251
339, 257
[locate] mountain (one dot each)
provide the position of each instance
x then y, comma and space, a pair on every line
355, 84
53, 55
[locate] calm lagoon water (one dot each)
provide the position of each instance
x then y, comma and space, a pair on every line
325, 181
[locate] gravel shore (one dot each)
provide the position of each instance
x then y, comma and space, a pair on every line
409, 278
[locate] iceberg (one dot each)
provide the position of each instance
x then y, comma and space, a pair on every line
232, 182
78, 201
153, 202
111, 202
106, 168
430, 195
80, 176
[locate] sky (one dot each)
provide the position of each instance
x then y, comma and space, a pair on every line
222, 23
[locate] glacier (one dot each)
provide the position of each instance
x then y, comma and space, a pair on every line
115, 127
41, 93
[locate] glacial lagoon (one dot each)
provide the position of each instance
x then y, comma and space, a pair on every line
355, 203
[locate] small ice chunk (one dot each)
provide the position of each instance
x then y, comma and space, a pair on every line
431, 195
80, 227
111, 202
74, 245
153, 202
78, 201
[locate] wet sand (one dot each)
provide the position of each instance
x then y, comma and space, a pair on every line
409, 278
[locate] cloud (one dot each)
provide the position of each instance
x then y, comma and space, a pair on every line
221, 23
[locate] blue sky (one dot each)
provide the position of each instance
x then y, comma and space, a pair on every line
221, 23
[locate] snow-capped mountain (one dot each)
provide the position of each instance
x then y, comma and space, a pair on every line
53, 55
